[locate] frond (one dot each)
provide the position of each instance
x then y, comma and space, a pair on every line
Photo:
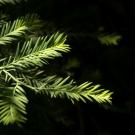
59, 87
12, 105
12, 30
109, 39
4, 2
36, 53
32, 21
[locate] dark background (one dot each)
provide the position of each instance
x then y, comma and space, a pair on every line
111, 66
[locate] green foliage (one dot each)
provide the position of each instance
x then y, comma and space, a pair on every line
109, 39
35, 53
4, 2
14, 29
65, 87
22, 70
12, 104
11, 30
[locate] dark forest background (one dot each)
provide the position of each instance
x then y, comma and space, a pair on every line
111, 66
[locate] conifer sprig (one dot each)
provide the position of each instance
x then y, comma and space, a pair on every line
31, 54
66, 87
14, 2
12, 30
